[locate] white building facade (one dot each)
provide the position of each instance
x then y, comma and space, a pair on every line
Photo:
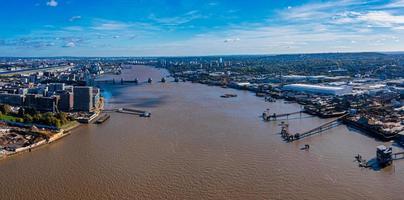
318, 89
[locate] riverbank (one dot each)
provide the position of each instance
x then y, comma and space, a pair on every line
22, 137
63, 132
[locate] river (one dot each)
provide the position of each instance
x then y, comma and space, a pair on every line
197, 145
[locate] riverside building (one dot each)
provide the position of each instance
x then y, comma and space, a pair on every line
83, 98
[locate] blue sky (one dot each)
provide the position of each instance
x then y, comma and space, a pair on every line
198, 27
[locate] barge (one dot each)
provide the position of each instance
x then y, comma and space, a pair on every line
228, 95
102, 119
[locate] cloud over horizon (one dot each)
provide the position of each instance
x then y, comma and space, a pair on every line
219, 27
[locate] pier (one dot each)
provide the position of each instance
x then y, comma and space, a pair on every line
290, 137
268, 117
384, 158
130, 111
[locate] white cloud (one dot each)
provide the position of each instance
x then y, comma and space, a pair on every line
73, 28
74, 18
345, 17
70, 45
231, 40
399, 28
382, 18
325, 26
178, 20
111, 26
316, 11
52, 3
356, 15
372, 19
395, 4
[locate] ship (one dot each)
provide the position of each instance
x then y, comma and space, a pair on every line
228, 95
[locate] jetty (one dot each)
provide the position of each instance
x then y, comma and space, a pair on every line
290, 137
384, 157
266, 116
130, 111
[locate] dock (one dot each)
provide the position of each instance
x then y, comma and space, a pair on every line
273, 117
290, 137
130, 111
384, 158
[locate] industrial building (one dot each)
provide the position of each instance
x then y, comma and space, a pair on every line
318, 89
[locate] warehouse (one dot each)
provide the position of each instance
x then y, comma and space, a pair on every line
318, 89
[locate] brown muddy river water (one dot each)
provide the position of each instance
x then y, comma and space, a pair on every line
197, 145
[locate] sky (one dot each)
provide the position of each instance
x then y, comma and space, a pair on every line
198, 27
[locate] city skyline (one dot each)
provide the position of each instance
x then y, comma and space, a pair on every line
187, 28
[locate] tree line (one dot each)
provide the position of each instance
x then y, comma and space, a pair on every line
30, 115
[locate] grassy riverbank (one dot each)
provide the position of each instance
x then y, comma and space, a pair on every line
70, 125
10, 118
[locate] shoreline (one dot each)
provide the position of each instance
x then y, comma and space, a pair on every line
61, 134
258, 93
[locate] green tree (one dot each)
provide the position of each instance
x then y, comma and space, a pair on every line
62, 117
5, 109
37, 118
47, 118
57, 123
28, 118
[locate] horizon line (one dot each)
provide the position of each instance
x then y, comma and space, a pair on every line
211, 55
